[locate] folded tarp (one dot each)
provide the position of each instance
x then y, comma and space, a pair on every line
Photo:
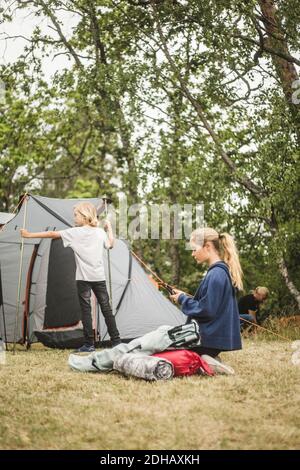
156, 341
144, 367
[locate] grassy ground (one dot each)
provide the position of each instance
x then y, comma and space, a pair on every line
44, 405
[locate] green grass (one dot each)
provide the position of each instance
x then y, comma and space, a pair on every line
44, 405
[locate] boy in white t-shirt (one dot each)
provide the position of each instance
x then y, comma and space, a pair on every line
87, 241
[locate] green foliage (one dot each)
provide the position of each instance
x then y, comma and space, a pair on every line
83, 188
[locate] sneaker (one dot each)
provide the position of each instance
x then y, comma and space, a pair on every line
85, 348
217, 366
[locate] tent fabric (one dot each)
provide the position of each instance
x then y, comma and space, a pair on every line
48, 296
5, 217
68, 339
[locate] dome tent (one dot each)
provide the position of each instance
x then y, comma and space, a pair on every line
48, 310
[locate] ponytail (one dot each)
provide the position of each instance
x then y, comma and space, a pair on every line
231, 258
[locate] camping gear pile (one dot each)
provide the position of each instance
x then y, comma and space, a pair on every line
143, 357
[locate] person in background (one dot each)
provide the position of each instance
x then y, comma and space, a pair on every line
249, 306
87, 241
214, 305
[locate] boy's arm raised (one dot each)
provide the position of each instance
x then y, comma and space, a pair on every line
50, 234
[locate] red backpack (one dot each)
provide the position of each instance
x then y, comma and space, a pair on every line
186, 362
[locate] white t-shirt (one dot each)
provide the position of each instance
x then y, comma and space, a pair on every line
87, 243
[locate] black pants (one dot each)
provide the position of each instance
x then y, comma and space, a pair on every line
84, 293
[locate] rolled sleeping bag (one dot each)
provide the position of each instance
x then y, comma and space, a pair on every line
144, 367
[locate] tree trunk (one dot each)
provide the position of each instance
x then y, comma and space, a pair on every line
286, 71
175, 259
290, 285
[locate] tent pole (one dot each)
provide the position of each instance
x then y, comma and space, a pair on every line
3, 313
20, 277
109, 265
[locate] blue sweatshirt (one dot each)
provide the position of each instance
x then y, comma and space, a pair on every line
215, 308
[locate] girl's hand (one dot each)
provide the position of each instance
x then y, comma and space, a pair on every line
24, 233
176, 294
107, 225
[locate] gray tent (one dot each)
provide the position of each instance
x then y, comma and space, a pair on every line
48, 308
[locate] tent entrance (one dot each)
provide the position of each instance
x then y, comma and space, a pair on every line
62, 304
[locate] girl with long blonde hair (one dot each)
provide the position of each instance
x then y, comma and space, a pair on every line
214, 305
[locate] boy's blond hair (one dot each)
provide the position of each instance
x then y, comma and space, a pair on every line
262, 291
88, 213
